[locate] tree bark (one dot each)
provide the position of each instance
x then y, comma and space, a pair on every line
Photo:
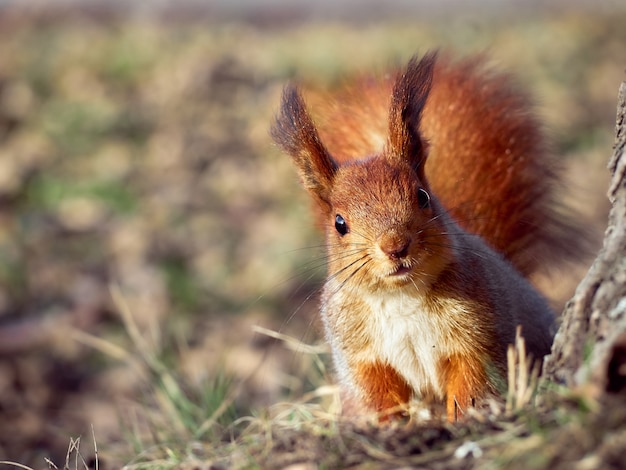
590, 345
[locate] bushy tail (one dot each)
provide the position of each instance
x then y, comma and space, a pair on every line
489, 163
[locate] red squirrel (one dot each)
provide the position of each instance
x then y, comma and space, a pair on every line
437, 196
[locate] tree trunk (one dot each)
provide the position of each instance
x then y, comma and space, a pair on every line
590, 345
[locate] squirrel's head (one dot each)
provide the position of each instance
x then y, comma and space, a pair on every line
383, 226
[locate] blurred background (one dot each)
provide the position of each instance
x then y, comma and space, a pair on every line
148, 224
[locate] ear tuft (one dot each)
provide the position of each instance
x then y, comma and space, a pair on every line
295, 132
409, 96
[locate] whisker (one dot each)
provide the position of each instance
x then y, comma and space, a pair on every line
299, 307
462, 249
352, 274
342, 270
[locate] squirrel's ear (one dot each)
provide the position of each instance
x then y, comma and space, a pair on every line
296, 134
409, 96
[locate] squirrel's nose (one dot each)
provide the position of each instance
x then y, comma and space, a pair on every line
395, 246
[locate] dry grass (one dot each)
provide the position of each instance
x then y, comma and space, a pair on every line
523, 375
74, 459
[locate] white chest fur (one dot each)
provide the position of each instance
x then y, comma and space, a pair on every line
395, 328
412, 339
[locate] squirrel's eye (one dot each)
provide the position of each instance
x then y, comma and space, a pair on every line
341, 225
423, 198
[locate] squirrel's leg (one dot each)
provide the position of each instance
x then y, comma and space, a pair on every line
465, 377
384, 389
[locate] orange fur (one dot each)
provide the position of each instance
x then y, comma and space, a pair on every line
424, 183
466, 381
384, 388
486, 145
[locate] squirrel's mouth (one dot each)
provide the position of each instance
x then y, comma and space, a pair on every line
400, 271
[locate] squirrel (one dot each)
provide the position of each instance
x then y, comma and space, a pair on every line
438, 200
